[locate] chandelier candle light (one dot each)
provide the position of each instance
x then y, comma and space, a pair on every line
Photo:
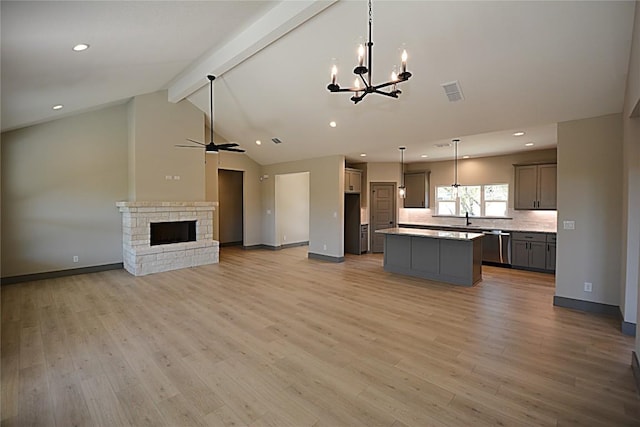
361, 70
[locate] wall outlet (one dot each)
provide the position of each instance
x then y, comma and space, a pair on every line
284, 237
176, 177
324, 247
268, 211
569, 225
168, 177
75, 258
588, 286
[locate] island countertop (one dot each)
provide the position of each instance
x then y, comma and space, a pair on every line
437, 234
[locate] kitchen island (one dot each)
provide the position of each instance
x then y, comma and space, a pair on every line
445, 256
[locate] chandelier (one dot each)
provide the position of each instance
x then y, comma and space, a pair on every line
363, 73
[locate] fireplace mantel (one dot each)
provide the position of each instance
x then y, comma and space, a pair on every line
140, 258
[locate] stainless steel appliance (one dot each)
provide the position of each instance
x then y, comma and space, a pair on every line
496, 247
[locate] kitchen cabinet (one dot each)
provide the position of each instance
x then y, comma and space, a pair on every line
417, 186
352, 180
535, 251
551, 252
442, 256
364, 238
535, 187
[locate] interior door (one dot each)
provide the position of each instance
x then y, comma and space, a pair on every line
230, 194
383, 212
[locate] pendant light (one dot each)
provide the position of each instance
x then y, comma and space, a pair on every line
455, 184
402, 190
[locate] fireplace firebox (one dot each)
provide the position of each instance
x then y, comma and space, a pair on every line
164, 233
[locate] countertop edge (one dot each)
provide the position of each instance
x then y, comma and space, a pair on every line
431, 234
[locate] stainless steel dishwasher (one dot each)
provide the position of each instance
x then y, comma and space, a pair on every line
496, 247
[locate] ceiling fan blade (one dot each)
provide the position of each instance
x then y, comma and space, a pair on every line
196, 142
237, 150
188, 146
230, 144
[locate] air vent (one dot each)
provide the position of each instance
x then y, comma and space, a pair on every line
445, 145
276, 140
453, 91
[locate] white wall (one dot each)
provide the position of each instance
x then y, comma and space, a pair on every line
630, 296
156, 127
292, 208
589, 193
60, 183
326, 203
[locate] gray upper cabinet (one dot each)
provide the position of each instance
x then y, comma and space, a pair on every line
352, 180
417, 184
535, 187
547, 186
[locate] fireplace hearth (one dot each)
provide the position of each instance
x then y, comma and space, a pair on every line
163, 236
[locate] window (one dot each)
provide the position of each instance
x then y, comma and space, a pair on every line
477, 200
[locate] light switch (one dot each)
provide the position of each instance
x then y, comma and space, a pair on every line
268, 211
569, 225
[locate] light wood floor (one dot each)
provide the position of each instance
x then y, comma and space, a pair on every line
274, 339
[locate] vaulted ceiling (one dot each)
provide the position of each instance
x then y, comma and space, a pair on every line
521, 66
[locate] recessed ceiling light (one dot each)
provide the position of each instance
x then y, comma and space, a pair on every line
332, 124
529, 144
518, 133
80, 47
57, 107
424, 156
363, 155
258, 142
465, 157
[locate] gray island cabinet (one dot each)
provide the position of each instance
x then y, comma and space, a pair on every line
444, 256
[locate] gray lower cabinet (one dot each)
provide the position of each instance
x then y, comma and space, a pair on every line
445, 260
533, 251
551, 256
519, 253
364, 238
551, 252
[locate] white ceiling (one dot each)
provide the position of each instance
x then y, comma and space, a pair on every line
521, 66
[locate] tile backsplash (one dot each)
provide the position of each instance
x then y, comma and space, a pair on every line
545, 221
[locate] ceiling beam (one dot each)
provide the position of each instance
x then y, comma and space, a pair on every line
282, 18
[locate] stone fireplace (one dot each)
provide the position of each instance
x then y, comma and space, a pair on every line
140, 257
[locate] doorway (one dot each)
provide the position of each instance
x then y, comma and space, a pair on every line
383, 212
230, 210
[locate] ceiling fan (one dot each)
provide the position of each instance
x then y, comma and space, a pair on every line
211, 147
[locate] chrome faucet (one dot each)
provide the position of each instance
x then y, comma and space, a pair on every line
467, 218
